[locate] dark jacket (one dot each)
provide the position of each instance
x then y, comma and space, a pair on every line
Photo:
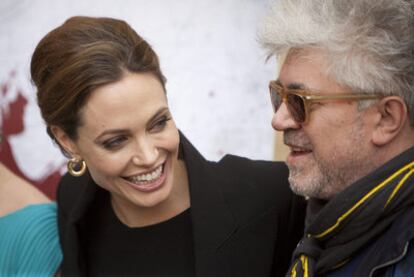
391, 254
246, 221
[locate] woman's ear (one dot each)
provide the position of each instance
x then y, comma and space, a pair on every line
65, 141
392, 118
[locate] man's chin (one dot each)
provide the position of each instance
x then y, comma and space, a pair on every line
299, 189
306, 189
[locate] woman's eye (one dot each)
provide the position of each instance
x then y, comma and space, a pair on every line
113, 142
160, 123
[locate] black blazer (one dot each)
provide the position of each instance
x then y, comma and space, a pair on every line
246, 221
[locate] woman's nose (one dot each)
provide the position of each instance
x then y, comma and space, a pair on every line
146, 152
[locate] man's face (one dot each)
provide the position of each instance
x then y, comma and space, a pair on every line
332, 149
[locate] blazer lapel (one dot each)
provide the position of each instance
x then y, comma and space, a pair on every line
75, 258
212, 220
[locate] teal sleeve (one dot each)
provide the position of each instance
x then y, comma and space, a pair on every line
29, 243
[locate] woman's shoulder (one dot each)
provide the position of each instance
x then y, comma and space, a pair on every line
36, 217
72, 190
254, 180
257, 171
29, 240
238, 161
253, 187
16, 193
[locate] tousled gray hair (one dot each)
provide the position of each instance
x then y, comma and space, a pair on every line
368, 44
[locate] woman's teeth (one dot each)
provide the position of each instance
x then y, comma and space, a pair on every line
149, 177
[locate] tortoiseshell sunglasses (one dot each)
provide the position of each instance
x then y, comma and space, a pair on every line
298, 100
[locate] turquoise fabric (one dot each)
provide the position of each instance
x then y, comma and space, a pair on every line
29, 243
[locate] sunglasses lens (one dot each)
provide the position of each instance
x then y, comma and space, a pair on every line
276, 99
296, 107
294, 102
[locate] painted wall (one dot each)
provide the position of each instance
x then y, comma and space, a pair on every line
216, 71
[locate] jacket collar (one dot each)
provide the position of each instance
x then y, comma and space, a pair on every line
212, 220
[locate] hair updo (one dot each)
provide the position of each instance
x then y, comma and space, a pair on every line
79, 56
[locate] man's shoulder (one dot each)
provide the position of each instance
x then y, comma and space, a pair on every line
405, 267
397, 244
390, 254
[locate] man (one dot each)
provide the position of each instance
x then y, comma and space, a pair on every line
344, 99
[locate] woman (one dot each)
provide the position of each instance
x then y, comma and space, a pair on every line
144, 202
29, 244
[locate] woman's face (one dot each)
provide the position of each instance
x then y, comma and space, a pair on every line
129, 141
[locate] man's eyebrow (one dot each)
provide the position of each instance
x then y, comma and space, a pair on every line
292, 85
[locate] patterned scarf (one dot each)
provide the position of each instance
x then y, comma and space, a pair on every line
354, 217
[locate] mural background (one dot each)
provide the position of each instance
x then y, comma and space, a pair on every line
216, 71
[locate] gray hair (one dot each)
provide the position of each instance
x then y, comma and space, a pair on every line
368, 44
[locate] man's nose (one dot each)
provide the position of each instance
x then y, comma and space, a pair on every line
282, 119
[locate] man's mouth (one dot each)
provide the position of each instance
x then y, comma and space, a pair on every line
294, 150
297, 142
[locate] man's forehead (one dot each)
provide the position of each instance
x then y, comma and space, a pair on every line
299, 66
308, 68
305, 55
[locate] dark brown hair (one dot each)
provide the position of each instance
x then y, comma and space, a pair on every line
79, 56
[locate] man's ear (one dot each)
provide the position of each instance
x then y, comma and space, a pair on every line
65, 142
393, 115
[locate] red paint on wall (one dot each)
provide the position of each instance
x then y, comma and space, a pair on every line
13, 125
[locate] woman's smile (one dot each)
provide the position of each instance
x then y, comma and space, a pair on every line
148, 182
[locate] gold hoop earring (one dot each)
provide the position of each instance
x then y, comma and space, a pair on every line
72, 165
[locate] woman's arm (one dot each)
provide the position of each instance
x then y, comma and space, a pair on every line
16, 193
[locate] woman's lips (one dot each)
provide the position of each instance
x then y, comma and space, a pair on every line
145, 183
